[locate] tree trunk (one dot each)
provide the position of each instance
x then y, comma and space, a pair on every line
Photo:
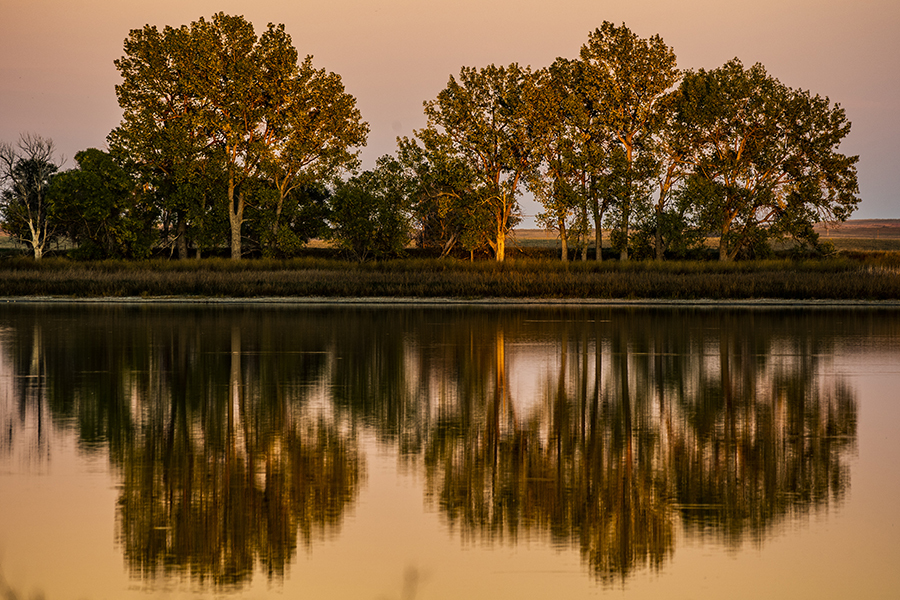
500, 249
181, 238
37, 244
278, 209
235, 216
626, 209
448, 245
660, 253
726, 253
598, 231
564, 252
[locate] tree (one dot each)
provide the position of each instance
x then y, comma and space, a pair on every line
670, 151
25, 173
445, 198
556, 117
765, 157
303, 215
313, 135
214, 98
161, 138
370, 213
99, 208
625, 78
480, 121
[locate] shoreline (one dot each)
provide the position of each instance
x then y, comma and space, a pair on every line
449, 301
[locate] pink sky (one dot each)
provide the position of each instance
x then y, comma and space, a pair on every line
57, 76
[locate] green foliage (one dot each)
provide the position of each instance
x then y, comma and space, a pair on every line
100, 209
370, 216
211, 109
446, 199
768, 157
479, 125
283, 232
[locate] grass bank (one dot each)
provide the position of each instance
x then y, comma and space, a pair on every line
863, 277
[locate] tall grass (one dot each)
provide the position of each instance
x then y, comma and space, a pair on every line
869, 278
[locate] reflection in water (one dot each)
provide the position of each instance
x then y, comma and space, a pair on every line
212, 486
23, 421
223, 462
235, 432
642, 421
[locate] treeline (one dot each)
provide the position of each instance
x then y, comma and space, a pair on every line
229, 140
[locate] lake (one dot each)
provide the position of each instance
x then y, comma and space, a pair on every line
266, 451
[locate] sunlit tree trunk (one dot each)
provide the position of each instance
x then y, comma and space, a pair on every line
564, 245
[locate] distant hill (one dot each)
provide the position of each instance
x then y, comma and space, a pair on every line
861, 228
854, 228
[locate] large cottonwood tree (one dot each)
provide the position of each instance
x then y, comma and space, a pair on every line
557, 113
480, 121
216, 93
765, 157
160, 137
314, 136
625, 78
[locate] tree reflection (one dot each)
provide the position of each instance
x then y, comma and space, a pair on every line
767, 437
612, 431
723, 425
578, 469
23, 410
225, 461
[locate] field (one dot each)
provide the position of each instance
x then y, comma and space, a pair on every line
863, 269
860, 235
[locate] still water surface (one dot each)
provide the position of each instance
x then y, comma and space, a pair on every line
315, 452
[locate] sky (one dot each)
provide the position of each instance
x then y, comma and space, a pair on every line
57, 77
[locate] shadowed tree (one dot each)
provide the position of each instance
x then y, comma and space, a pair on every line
25, 172
100, 208
444, 197
370, 215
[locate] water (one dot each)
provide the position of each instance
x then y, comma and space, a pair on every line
315, 452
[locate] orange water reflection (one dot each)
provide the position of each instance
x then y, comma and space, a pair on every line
234, 434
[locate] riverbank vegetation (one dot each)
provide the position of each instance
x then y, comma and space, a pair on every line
229, 140
869, 276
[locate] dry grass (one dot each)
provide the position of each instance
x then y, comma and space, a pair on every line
864, 268
845, 279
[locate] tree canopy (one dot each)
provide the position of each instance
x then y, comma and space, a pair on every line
229, 140
765, 157
214, 100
